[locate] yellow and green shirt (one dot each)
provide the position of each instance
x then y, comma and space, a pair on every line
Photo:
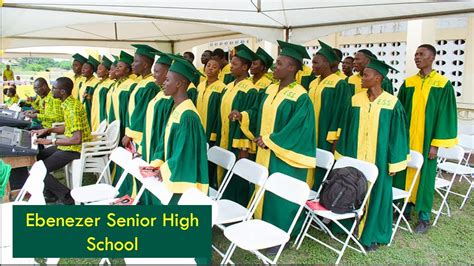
50, 111
75, 119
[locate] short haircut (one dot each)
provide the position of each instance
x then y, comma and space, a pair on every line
219, 53
66, 84
191, 55
350, 58
367, 53
338, 53
12, 90
207, 51
41, 81
429, 47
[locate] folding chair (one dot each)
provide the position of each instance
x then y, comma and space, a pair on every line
325, 160
370, 172
416, 162
94, 157
230, 211
443, 185
467, 143
101, 191
191, 196
34, 186
255, 234
223, 158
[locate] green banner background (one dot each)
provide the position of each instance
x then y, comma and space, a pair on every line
153, 242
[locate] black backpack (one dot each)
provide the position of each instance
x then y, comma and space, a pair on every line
344, 190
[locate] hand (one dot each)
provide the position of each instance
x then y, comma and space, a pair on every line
260, 143
40, 132
433, 152
31, 115
150, 171
43, 141
126, 141
243, 154
235, 115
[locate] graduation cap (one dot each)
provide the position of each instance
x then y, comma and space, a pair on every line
367, 53
93, 62
380, 66
126, 58
78, 57
328, 53
244, 52
163, 58
145, 50
265, 57
116, 60
183, 67
294, 51
106, 62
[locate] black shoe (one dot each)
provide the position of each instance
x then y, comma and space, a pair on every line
422, 227
372, 247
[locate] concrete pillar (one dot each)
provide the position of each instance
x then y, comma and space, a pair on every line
467, 97
418, 32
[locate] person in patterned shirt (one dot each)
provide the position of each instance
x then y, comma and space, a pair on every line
49, 109
76, 131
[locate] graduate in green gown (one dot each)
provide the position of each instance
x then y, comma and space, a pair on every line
259, 69
361, 59
119, 108
330, 95
145, 90
99, 98
113, 77
86, 90
77, 63
305, 76
430, 102
284, 132
184, 140
209, 99
225, 75
335, 64
374, 129
157, 114
239, 95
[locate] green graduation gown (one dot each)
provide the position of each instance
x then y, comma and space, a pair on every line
376, 132
145, 90
285, 120
183, 142
240, 96
330, 98
98, 111
430, 104
88, 87
207, 105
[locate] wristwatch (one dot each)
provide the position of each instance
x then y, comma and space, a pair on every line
53, 141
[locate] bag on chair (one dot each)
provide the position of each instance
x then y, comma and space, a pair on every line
344, 190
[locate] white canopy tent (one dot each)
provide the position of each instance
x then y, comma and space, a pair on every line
181, 24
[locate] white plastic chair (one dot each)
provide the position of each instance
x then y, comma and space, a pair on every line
416, 162
34, 186
255, 234
325, 160
223, 158
191, 196
100, 132
467, 143
443, 185
94, 157
370, 172
230, 211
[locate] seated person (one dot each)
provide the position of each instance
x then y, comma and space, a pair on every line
48, 109
76, 129
12, 96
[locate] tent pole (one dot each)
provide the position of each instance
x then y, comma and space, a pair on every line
287, 34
